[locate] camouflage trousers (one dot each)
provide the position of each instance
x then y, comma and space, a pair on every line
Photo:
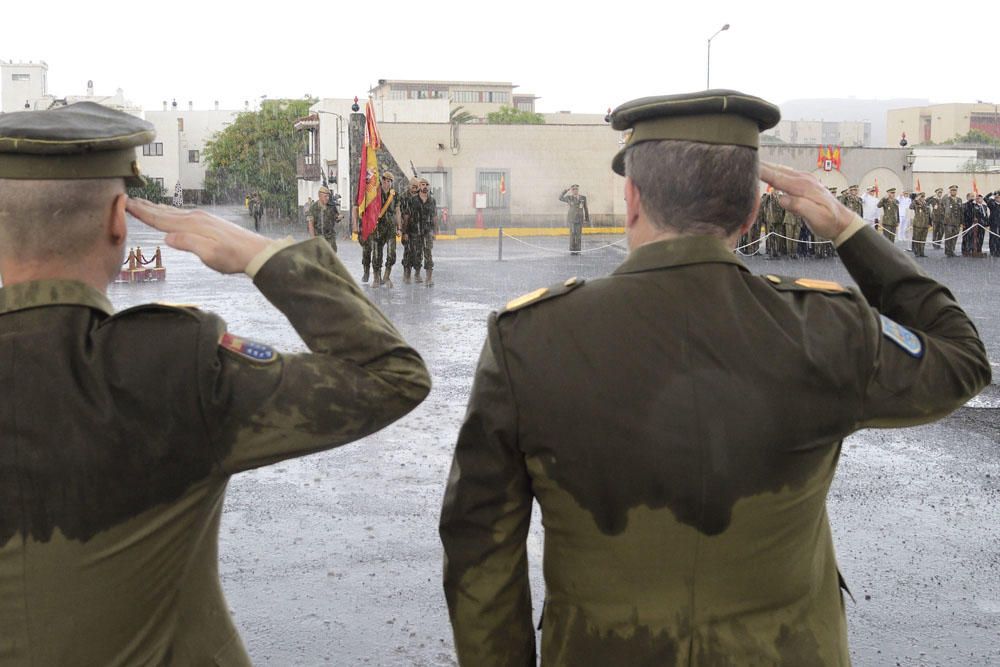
385, 246
918, 246
950, 232
421, 250
366, 249
938, 232
889, 231
332, 240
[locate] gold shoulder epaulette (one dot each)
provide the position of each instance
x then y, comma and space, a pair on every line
542, 294
793, 284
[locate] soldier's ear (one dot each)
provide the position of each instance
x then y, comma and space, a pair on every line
117, 226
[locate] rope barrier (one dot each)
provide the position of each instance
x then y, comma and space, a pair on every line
561, 252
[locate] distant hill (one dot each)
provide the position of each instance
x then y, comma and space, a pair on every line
849, 109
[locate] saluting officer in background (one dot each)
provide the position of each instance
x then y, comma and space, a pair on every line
684, 493
576, 216
111, 495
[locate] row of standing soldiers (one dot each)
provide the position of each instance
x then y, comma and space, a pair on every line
412, 216
792, 238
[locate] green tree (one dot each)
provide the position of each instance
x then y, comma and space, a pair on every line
976, 137
152, 191
511, 116
257, 153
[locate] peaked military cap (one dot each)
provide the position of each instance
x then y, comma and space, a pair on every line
852, 187
892, 190
937, 190
953, 187
717, 116
83, 140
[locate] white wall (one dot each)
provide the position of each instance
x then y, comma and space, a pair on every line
200, 126
15, 93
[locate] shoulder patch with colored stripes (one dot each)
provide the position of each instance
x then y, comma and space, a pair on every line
786, 284
903, 337
248, 349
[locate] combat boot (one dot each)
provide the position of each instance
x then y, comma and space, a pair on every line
416, 276
430, 278
364, 278
385, 278
406, 275
377, 280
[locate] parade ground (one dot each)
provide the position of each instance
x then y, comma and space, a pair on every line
335, 558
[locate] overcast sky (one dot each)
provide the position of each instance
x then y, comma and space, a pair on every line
583, 59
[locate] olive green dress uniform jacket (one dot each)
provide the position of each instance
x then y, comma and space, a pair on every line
118, 434
680, 461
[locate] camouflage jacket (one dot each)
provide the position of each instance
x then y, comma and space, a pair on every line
890, 212
684, 512
387, 221
324, 219
422, 215
853, 202
112, 496
936, 209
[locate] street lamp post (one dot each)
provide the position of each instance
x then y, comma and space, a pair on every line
708, 60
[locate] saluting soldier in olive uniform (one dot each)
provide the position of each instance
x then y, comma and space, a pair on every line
322, 218
937, 216
576, 216
921, 221
111, 496
953, 209
890, 214
684, 507
385, 232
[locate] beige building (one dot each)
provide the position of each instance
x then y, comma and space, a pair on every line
476, 97
941, 122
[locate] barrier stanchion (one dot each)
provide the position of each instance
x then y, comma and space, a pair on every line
500, 244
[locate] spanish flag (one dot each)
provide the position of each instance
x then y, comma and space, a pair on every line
369, 190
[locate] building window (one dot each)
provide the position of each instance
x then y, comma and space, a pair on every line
492, 182
180, 124
496, 96
465, 96
194, 156
397, 94
152, 149
158, 182
20, 77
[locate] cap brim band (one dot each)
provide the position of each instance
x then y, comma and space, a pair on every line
103, 164
723, 129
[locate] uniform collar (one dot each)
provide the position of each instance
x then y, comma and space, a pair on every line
38, 293
679, 251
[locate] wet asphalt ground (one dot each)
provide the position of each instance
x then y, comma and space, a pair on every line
334, 558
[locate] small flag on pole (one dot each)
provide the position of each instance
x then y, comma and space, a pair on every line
503, 185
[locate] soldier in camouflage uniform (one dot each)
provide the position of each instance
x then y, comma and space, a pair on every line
953, 209
322, 218
890, 214
684, 508
421, 228
385, 232
112, 496
405, 201
921, 221
937, 216
791, 226
774, 216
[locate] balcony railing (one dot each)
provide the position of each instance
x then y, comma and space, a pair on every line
307, 167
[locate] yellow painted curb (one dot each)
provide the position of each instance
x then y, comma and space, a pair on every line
519, 232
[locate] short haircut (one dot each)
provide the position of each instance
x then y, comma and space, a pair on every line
51, 219
695, 188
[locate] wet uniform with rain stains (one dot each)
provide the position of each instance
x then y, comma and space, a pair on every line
112, 502
681, 467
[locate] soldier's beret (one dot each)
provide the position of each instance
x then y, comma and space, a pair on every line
83, 140
726, 117
323, 190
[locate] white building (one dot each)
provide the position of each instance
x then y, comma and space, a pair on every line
22, 83
177, 152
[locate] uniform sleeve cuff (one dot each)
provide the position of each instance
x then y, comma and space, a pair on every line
267, 253
853, 228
